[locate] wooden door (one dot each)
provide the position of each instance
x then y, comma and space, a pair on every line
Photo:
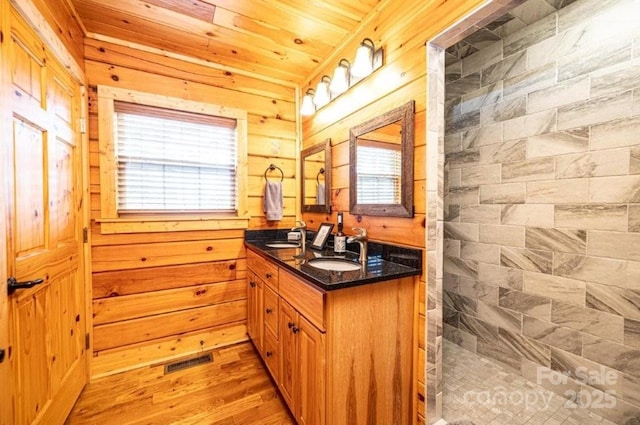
47, 323
311, 374
288, 353
254, 309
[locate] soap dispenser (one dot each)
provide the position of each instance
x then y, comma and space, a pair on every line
340, 239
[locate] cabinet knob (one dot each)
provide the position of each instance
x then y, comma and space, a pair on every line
252, 284
268, 311
268, 275
290, 324
295, 330
269, 354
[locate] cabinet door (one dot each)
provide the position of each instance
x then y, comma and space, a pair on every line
311, 374
288, 353
255, 319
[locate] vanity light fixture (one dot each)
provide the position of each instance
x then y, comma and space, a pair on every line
308, 107
345, 76
340, 81
322, 96
363, 65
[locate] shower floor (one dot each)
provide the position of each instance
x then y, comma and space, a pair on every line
482, 392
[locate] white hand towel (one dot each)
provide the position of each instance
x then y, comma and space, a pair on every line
273, 200
320, 200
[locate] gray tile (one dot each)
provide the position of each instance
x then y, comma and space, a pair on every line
561, 45
509, 193
453, 72
588, 320
462, 122
616, 79
632, 333
482, 330
571, 291
504, 277
557, 191
561, 94
461, 50
623, 302
525, 347
634, 218
461, 338
476, 62
502, 235
634, 160
581, 369
529, 170
614, 134
482, 38
500, 317
614, 244
481, 98
551, 334
532, 11
480, 252
482, 136
583, 10
451, 248
485, 174
461, 231
530, 305
483, 214
558, 143
557, 240
477, 290
463, 195
607, 271
452, 143
616, 356
530, 81
539, 215
506, 152
589, 59
462, 86
531, 125
631, 389
505, 69
505, 110
622, 189
532, 34
501, 354
467, 158
612, 162
450, 317
595, 111
526, 259
559, 4
592, 216
460, 267
459, 303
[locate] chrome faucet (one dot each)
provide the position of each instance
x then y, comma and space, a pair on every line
302, 228
362, 239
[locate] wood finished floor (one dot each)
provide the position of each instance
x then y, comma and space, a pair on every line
233, 390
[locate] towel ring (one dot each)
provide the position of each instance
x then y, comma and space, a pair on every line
271, 168
318, 175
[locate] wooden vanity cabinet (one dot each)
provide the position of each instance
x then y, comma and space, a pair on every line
341, 357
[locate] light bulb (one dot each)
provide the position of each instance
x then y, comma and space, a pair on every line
340, 81
363, 65
322, 96
308, 108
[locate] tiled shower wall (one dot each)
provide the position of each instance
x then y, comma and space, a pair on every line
542, 203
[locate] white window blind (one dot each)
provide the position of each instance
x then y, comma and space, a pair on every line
379, 174
172, 161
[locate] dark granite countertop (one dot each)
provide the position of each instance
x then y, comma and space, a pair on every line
385, 261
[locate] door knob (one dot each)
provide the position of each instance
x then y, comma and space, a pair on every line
13, 284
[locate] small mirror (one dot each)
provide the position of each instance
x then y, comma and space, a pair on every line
316, 178
381, 160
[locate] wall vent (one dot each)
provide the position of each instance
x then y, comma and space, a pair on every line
185, 364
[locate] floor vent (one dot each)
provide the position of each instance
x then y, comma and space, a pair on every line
185, 364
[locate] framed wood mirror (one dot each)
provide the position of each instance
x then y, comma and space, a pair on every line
381, 164
316, 178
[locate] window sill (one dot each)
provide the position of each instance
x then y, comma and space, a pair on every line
170, 224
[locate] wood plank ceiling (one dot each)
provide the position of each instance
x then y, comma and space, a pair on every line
280, 39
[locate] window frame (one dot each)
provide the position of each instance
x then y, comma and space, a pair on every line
113, 222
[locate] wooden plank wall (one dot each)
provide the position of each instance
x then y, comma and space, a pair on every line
187, 297
402, 28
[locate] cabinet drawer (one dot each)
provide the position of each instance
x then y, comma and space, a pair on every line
270, 310
305, 298
263, 268
271, 353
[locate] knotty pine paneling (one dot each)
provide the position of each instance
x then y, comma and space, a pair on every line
402, 29
163, 294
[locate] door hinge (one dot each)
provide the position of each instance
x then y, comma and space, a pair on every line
83, 125
85, 235
87, 341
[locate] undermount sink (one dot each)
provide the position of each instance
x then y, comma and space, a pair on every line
282, 244
334, 264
